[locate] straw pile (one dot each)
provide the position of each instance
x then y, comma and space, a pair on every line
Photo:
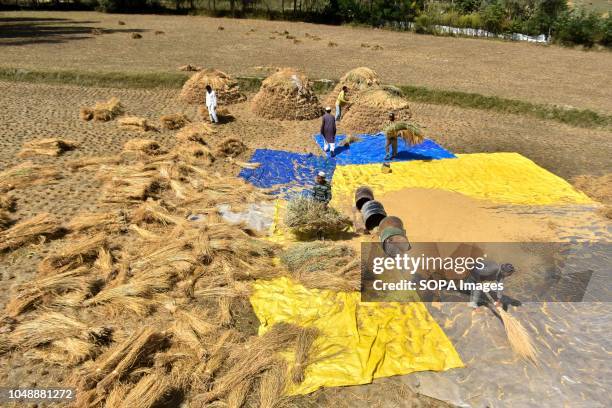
195, 132
411, 134
287, 95
103, 111
30, 230
26, 174
308, 218
147, 146
230, 147
369, 111
46, 147
174, 121
226, 88
357, 80
323, 265
134, 123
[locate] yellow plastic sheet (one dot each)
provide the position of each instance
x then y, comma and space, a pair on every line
358, 341
500, 177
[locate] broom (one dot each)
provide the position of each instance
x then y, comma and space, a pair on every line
518, 337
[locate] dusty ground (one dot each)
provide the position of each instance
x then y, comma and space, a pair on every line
563, 76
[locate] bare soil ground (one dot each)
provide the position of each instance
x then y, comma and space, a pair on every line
546, 74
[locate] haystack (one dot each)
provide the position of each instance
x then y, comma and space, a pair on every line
287, 95
51, 146
226, 88
174, 121
357, 80
134, 123
369, 112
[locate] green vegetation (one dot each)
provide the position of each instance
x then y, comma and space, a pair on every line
572, 116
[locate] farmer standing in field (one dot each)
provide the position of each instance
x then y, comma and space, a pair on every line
341, 102
328, 130
321, 191
211, 104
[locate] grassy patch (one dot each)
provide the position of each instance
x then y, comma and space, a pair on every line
572, 116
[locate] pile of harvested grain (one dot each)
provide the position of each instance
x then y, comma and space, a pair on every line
195, 132
30, 230
369, 111
147, 146
309, 218
226, 88
323, 265
103, 111
231, 147
26, 174
47, 147
134, 123
174, 121
357, 80
287, 95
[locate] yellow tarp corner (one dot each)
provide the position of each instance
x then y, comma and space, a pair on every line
358, 341
507, 178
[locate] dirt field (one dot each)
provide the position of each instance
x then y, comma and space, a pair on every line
552, 74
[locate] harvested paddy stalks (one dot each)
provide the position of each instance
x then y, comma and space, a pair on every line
109, 110
46, 147
112, 221
273, 384
130, 184
356, 80
303, 354
195, 154
147, 146
153, 212
230, 147
323, 265
287, 95
33, 293
174, 121
8, 202
134, 123
369, 110
150, 390
306, 217
36, 228
73, 254
349, 140
86, 114
93, 161
26, 174
411, 134
195, 132
242, 164
226, 88
252, 358
238, 395
5, 220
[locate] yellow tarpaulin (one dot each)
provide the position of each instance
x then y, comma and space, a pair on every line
358, 341
500, 177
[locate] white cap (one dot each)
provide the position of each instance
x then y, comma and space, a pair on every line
327, 109
321, 174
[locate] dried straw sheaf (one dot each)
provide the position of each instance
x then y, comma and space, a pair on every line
46, 147
73, 254
146, 146
5, 220
230, 147
287, 95
411, 134
8, 202
106, 110
195, 132
369, 111
88, 162
306, 217
323, 265
37, 228
174, 121
226, 88
27, 174
357, 80
134, 123
112, 221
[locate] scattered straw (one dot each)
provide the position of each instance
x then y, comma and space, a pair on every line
38, 227
26, 174
309, 218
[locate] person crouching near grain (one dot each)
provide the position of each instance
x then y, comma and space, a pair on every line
321, 191
211, 104
489, 272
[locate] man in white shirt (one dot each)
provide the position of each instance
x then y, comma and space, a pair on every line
211, 104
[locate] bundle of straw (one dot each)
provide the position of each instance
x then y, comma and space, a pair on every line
174, 121
411, 134
195, 132
108, 110
41, 226
47, 147
146, 146
309, 218
134, 123
230, 147
26, 174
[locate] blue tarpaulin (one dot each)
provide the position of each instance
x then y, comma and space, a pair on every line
371, 149
286, 173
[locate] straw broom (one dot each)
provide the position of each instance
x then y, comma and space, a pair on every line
518, 337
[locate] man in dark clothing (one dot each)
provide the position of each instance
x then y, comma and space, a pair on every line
490, 272
322, 190
328, 130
